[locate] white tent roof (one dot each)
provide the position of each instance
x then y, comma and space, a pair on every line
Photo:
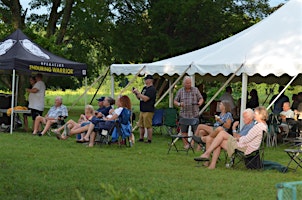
272, 46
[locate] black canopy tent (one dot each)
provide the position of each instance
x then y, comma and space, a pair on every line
20, 55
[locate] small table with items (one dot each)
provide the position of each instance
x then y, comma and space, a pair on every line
6, 119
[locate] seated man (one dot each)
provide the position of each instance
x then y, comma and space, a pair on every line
247, 144
287, 118
55, 113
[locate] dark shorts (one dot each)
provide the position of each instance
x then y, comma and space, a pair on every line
35, 113
104, 125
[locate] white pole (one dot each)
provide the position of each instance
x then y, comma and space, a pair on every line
17, 90
170, 93
12, 103
222, 87
85, 99
272, 103
112, 85
243, 97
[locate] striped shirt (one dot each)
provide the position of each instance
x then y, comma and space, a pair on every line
253, 138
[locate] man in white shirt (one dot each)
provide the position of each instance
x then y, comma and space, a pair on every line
36, 98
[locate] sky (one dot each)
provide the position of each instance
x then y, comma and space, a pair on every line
24, 4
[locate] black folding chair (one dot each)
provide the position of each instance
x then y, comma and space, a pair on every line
295, 156
252, 161
184, 121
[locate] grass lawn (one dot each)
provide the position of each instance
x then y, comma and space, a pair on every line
33, 167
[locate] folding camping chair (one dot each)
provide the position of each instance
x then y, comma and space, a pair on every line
295, 155
170, 120
252, 161
59, 123
121, 130
189, 122
157, 121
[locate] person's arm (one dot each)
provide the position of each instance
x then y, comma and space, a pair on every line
145, 98
32, 90
177, 102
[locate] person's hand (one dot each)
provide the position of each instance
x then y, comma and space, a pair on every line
135, 91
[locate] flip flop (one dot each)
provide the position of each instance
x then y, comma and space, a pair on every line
201, 159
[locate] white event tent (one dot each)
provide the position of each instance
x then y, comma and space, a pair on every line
269, 51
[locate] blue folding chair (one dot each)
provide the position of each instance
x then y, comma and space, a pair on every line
157, 121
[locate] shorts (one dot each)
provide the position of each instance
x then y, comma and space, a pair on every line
145, 119
185, 128
35, 113
232, 145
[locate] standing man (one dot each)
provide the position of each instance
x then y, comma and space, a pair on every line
147, 100
36, 98
188, 99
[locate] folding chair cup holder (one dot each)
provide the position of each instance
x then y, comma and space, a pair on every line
174, 138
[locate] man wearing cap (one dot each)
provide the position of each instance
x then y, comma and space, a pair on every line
147, 100
102, 110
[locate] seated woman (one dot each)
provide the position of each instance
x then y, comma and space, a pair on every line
83, 127
223, 122
247, 144
84, 119
108, 122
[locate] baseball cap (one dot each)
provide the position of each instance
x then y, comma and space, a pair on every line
148, 77
101, 99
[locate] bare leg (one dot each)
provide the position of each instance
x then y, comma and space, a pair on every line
92, 139
47, 126
25, 120
215, 156
150, 131
89, 132
141, 133
39, 119
216, 142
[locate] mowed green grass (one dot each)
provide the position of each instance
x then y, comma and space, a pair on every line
33, 167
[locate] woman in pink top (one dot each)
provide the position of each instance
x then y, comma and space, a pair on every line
246, 144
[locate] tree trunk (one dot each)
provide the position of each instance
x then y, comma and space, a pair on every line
53, 18
65, 20
17, 17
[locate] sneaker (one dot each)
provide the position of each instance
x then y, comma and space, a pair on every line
148, 142
140, 140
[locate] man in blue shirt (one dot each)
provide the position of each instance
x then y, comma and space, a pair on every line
55, 113
248, 119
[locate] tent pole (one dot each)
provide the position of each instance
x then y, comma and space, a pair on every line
243, 97
12, 103
76, 101
112, 86
132, 80
222, 87
101, 83
17, 86
272, 103
170, 94
85, 89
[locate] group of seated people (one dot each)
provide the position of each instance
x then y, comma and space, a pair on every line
247, 140
89, 123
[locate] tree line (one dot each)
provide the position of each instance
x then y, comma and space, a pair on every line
100, 33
